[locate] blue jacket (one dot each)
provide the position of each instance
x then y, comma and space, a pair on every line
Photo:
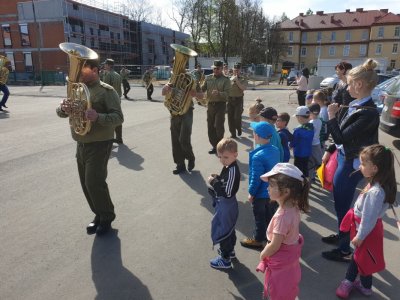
286, 138
262, 160
302, 140
276, 141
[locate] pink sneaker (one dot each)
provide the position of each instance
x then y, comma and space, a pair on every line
344, 289
366, 292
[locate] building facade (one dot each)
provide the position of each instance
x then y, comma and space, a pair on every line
32, 30
349, 35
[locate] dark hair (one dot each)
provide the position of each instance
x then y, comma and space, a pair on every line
285, 117
92, 63
227, 144
298, 191
306, 72
344, 66
383, 159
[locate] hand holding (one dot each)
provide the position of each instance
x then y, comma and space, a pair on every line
332, 110
356, 242
166, 89
65, 106
91, 115
250, 198
215, 92
326, 157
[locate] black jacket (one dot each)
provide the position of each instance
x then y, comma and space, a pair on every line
356, 131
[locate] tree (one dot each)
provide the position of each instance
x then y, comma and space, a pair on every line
309, 12
139, 10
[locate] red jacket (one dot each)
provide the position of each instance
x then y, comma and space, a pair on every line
369, 256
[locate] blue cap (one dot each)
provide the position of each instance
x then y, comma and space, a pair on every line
263, 129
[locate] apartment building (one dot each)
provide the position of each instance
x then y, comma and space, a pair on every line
350, 35
32, 30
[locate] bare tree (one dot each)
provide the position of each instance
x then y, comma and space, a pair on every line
139, 10
180, 15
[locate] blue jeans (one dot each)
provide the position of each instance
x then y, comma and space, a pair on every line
352, 272
6, 93
344, 185
263, 210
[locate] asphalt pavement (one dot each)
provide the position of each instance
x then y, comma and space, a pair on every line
160, 246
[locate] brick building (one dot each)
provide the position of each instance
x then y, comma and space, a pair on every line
343, 36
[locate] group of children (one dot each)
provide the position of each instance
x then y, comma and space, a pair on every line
278, 193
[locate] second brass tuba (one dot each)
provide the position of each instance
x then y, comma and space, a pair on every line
178, 100
3, 69
78, 94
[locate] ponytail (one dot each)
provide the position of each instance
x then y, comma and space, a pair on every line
302, 200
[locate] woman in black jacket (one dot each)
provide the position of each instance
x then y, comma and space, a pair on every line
352, 127
341, 95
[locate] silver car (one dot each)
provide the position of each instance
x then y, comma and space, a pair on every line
390, 116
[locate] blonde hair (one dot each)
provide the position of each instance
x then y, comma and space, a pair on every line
255, 109
320, 95
227, 144
366, 73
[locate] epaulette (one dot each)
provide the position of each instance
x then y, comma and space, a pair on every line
105, 85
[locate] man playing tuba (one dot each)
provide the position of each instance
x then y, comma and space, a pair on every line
148, 82
94, 147
5, 68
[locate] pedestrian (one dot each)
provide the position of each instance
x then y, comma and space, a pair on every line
364, 221
224, 189
235, 101
320, 98
340, 94
316, 152
4, 72
255, 109
181, 132
114, 79
261, 160
148, 82
284, 133
125, 84
270, 115
352, 128
280, 259
94, 148
217, 87
302, 139
302, 83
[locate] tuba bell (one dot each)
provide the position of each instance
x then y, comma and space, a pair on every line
178, 100
78, 94
3, 69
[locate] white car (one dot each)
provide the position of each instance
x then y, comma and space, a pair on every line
329, 82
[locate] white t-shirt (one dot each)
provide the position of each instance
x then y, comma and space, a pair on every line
317, 129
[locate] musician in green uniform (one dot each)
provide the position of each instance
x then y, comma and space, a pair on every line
125, 84
198, 76
148, 82
235, 102
112, 78
217, 87
94, 148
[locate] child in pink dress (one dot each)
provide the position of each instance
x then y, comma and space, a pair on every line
280, 257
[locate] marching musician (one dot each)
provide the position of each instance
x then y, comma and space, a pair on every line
235, 102
125, 84
94, 148
4, 72
217, 87
198, 75
148, 82
112, 78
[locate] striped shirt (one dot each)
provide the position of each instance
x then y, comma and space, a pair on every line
227, 183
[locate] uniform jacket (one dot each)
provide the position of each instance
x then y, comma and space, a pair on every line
356, 131
235, 90
114, 79
302, 140
222, 84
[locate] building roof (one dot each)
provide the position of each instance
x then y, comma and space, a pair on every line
347, 19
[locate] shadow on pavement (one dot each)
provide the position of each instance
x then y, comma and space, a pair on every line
127, 158
111, 279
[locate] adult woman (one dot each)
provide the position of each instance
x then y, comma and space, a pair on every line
352, 127
341, 95
302, 83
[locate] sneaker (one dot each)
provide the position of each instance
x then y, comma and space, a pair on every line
358, 285
232, 254
251, 243
332, 239
220, 263
337, 255
239, 132
344, 289
179, 169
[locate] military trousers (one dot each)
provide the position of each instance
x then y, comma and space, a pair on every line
181, 132
126, 87
235, 111
216, 122
118, 133
92, 160
150, 91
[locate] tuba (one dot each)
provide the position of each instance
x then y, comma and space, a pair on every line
78, 94
3, 69
177, 101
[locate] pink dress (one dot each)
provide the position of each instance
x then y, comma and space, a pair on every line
282, 270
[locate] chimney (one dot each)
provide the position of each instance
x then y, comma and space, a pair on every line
359, 9
301, 14
384, 10
347, 10
320, 12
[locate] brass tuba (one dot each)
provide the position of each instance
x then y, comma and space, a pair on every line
78, 94
177, 101
3, 69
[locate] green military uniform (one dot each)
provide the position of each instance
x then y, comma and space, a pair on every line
198, 77
112, 78
235, 106
94, 148
124, 77
147, 77
216, 106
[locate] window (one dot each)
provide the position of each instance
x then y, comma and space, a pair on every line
381, 32
151, 45
10, 57
394, 49
364, 35
302, 65
318, 51
363, 50
23, 28
332, 50
304, 37
303, 51
291, 36
75, 6
333, 36
393, 64
378, 49
290, 51
348, 36
319, 36
397, 31
91, 30
28, 61
346, 50
6, 34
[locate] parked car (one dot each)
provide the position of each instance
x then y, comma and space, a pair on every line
390, 116
329, 82
379, 91
291, 78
